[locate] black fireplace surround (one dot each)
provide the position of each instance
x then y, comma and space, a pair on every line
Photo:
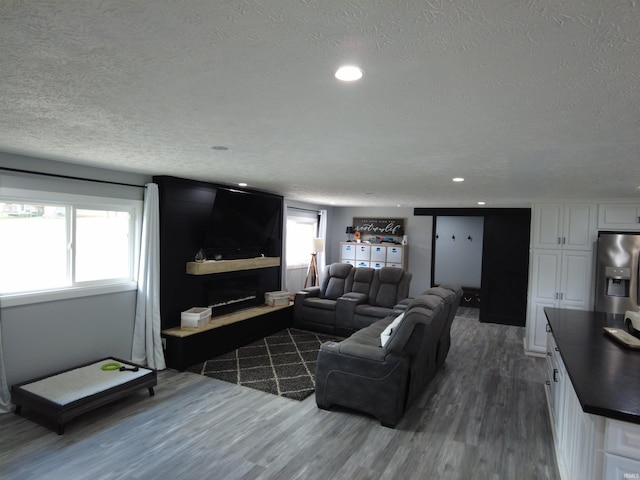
186, 208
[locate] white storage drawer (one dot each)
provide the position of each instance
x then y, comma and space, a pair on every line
622, 438
378, 253
363, 252
394, 255
348, 252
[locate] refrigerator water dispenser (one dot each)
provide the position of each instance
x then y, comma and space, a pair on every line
617, 281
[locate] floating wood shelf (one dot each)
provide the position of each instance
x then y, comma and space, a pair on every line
220, 266
227, 319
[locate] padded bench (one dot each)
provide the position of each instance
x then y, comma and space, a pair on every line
64, 395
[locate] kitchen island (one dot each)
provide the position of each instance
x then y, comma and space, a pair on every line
593, 393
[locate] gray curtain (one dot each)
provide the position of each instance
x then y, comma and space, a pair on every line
5, 395
322, 233
147, 344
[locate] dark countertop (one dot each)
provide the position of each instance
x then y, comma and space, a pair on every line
605, 374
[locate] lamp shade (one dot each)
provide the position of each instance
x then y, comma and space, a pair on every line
318, 244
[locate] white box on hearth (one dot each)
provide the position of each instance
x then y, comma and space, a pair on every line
276, 299
195, 317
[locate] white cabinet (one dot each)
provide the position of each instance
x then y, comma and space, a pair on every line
622, 450
560, 265
558, 279
588, 446
619, 217
570, 226
578, 436
373, 255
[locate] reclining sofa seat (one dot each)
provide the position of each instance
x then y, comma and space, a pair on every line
361, 374
389, 287
452, 301
315, 307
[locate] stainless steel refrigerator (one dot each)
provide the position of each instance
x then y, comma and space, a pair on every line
617, 270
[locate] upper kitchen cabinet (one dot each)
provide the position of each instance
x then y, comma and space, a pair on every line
619, 217
564, 226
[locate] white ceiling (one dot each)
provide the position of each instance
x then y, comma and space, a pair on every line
524, 98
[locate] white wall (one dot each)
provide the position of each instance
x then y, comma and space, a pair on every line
41, 338
458, 250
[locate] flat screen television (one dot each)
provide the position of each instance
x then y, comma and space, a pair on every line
244, 225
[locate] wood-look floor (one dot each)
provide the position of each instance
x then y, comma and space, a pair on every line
483, 417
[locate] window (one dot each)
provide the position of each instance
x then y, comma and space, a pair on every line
301, 230
58, 241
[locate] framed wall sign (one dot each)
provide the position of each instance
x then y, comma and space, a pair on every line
379, 226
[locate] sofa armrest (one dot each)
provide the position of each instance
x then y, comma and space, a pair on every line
357, 350
299, 298
403, 304
377, 387
346, 311
310, 291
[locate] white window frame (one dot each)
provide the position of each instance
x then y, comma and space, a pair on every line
75, 201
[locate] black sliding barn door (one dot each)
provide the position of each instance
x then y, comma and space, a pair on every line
505, 265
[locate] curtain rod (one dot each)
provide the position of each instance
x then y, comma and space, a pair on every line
303, 209
71, 177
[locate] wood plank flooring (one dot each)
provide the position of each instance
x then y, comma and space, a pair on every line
483, 417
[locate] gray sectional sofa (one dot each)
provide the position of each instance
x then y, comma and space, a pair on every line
349, 298
361, 373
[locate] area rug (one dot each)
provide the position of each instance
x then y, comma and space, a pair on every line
282, 364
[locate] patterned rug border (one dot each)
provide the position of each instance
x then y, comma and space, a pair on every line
281, 364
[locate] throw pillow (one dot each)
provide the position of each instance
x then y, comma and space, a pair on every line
387, 332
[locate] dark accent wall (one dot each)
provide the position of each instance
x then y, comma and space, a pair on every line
505, 261
185, 209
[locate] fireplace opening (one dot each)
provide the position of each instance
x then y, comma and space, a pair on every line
232, 294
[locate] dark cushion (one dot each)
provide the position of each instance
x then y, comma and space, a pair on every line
391, 275
362, 279
321, 303
373, 311
335, 280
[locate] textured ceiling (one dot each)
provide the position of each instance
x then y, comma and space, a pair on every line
524, 98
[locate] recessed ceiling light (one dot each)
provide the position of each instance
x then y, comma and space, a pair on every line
242, 184
482, 203
349, 73
458, 179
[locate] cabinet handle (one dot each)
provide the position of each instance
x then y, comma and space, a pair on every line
559, 239
549, 353
564, 240
547, 327
555, 375
548, 382
561, 295
556, 295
